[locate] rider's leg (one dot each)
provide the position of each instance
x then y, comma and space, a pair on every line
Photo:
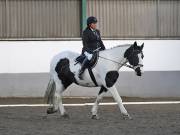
83, 67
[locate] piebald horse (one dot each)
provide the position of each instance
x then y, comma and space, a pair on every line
64, 71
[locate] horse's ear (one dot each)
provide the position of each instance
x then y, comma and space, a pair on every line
142, 46
135, 44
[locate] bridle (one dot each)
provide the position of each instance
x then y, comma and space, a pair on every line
124, 63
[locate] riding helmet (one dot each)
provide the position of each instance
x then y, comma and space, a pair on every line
91, 19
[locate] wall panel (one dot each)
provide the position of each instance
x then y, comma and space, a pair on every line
125, 18
42, 18
169, 13
2, 18
136, 18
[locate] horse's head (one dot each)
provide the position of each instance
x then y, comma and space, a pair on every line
134, 55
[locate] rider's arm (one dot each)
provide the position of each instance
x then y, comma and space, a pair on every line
85, 40
101, 42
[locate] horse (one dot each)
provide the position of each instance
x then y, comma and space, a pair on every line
64, 71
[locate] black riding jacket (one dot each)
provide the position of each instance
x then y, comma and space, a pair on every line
91, 40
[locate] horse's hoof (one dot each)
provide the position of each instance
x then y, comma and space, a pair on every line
127, 116
66, 116
51, 110
95, 117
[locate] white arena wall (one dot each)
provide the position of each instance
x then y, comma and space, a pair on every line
24, 67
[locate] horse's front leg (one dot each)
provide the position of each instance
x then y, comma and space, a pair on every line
99, 97
118, 99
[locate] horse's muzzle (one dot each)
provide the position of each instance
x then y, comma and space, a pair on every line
138, 71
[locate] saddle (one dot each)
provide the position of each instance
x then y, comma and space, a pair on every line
91, 63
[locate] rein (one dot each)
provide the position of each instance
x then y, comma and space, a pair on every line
122, 64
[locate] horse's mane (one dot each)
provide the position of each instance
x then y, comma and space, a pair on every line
124, 45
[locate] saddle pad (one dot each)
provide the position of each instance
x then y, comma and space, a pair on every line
80, 58
91, 63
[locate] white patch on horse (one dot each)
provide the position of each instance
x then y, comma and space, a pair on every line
140, 62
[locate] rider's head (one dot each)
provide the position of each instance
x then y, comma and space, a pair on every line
92, 22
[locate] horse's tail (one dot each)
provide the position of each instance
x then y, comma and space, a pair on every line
49, 94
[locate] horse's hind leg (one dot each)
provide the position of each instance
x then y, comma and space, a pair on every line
96, 103
58, 95
57, 99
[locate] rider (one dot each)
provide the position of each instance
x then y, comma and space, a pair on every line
91, 41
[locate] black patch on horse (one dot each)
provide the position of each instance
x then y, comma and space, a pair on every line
111, 78
103, 89
132, 55
64, 73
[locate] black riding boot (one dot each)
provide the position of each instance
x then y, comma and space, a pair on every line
83, 67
